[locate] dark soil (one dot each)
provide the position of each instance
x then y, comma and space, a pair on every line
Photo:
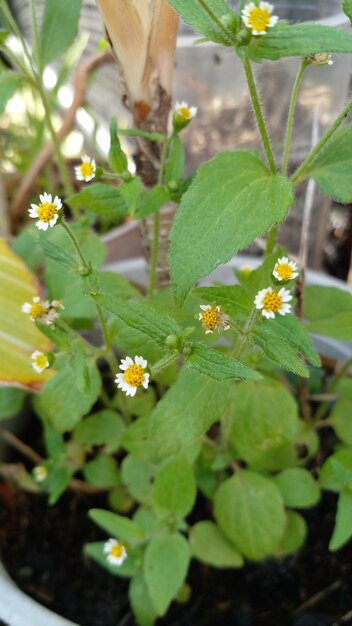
42, 549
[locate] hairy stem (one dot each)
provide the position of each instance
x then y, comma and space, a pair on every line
291, 114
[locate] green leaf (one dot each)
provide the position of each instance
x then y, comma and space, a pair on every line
141, 603
195, 15
127, 569
137, 476
9, 83
78, 363
250, 512
138, 439
220, 214
294, 536
57, 482
141, 317
11, 402
347, 8
131, 191
218, 366
62, 403
152, 201
59, 255
175, 486
116, 285
117, 158
343, 524
279, 350
336, 472
187, 410
117, 526
165, 568
298, 488
211, 547
101, 199
340, 420
59, 28
104, 428
329, 311
298, 40
231, 298
264, 418
331, 168
102, 471
176, 162
290, 330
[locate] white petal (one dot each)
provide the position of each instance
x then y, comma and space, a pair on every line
33, 212
273, 20
266, 6
205, 307
26, 307
140, 361
145, 381
42, 225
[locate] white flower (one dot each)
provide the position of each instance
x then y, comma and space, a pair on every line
115, 552
133, 376
271, 302
258, 18
37, 309
285, 269
40, 361
213, 318
40, 473
85, 171
47, 211
183, 110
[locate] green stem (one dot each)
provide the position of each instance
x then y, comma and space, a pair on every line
291, 114
325, 405
74, 240
37, 54
301, 173
156, 228
271, 240
215, 19
165, 362
259, 115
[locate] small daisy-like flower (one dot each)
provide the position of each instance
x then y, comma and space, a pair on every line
40, 361
37, 309
271, 302
133, 376
320, 58
285, 269
115, 552
213, 318
185, 111
53, 313
85, 171
47, 211
40, 473
246, 270
258, 18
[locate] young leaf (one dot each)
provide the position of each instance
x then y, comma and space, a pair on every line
165, 568
59, 28
219, 366
117, 526
294, 536
131, 191
298, 488
250, 512
187, 410
137, 476
104, 428
117, 158
331, 168
290, 330
102, 471
138, 439
141, 603
152, 201
175, 487
279, 350
78, 363
231, 298
205, 22
343, 524
219, 211
264, 418
298, 40
211, 547
9, 83
59, 255
57, 482
101, 199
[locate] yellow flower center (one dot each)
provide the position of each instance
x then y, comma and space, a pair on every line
285, 271
116, 550
185, 112
259, 19
134, 375
87, 169
272, 302
40, 472
37, 310
41, 361
211, 318
46, 211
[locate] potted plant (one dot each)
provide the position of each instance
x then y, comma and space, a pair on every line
212, 395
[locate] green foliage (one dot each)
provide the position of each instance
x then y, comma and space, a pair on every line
11, 402
298, 40
210, 546
328, 311
250, 512
59, 28
219, 366
137, 475
101, 199
219, 213
165, 568
10, 82
53, 252
141, 603
336, 473
152, 201
175, 486
298, 488
264, 418
205, 22
347, 8
117, 526
279, 350
176, 162
117, 158
343, 525
331, 168
294, 536
129, 567
57, 481
102, 471
104, 428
